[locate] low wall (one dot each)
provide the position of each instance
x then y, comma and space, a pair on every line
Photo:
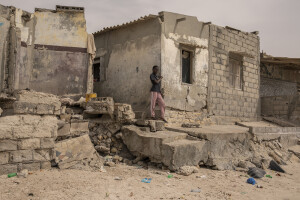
285, 107
26, 142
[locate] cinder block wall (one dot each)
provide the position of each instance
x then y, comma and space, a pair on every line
286, 107
224, 100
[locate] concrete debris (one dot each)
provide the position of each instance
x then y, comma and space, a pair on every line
100, 105
75, 151
154, 125
1, 111
187, 170
124, 113
106, 137
79, 127
31, 102
23, 173
190, 125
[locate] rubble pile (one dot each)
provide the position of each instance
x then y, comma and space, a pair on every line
38, 130
106, 137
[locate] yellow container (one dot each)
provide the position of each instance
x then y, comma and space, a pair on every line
90, 96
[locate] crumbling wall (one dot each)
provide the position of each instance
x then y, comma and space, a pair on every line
285, 107
27, 138
278, 80
4, 45
60, 58
180, 32
126, 59
224, 100
46, 51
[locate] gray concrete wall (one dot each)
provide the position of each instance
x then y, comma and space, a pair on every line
179, 32
225, 101
126, 57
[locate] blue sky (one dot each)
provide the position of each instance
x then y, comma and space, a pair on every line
276, 20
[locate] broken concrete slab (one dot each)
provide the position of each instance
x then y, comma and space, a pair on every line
212, 132
72, 151
31, 102
167, 147
183, 153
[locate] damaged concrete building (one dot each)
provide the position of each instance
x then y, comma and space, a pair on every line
211, 73
45, 51
211, 76
280, 88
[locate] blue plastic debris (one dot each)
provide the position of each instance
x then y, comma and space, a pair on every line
251, 181
146, 180
1, 23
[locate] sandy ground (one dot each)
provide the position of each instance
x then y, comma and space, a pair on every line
76, 184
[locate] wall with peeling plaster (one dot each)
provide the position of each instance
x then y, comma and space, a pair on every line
126, 58
185, 30
47, 51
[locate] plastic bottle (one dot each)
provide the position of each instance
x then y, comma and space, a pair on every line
11, 175
170, 176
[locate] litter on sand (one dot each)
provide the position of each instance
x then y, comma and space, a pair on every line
146, 180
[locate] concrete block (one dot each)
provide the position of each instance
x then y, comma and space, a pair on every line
70, 152
8, 145
183, 153
42, 155
65, 130
148, 145
4, 158
21, 156
9, 168
160, 125
152, 125
66, 117
33, 143
100, 105
79, 127
35, 166
46, 165
47, 143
